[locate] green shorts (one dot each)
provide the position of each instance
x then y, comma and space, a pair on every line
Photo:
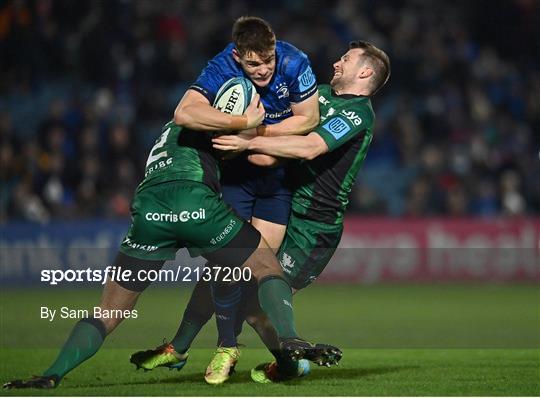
307, 248
182, 213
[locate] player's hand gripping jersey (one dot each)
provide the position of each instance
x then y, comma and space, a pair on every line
252, 190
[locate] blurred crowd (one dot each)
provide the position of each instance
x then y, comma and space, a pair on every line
86, 85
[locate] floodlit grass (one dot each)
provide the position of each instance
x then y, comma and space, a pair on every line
397, 340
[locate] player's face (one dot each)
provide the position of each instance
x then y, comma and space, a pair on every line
347, 69
258, 67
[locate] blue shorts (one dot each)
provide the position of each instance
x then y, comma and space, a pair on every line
257, 192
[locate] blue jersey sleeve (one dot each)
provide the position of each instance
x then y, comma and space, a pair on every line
208, 83
220, 69
303, 83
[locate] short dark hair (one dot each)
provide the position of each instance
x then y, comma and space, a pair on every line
253, 34
378, 60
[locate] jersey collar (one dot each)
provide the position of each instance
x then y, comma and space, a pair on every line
346, 96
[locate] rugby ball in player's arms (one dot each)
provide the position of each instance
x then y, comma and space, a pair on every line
234, 96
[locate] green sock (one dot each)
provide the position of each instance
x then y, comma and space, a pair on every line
185, 335
84, 341
275, 298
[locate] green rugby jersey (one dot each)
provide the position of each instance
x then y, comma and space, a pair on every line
324, 183
181, 154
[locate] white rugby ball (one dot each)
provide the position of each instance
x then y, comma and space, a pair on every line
234, 96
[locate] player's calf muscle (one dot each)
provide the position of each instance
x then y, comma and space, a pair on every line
115, 298
264, 328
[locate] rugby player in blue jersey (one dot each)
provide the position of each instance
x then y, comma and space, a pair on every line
287, 87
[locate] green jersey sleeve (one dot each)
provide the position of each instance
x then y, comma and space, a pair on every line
337, 130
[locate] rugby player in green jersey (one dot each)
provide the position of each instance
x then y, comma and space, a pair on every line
178, 204
332, 156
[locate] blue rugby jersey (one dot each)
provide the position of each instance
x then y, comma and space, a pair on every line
251, 190
293, 80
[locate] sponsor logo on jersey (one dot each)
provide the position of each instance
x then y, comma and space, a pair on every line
352, 116
159, 165
306, 79
337, 127
323, 100
183, 216
282, 90
308, 93
139, 246
225, 232
278, 115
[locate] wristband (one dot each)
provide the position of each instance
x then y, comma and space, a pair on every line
261, 130
238, 122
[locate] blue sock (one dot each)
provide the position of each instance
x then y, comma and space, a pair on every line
226, 297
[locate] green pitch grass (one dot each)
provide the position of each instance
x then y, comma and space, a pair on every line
397, 340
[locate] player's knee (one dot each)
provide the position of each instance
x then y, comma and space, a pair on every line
264, 266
